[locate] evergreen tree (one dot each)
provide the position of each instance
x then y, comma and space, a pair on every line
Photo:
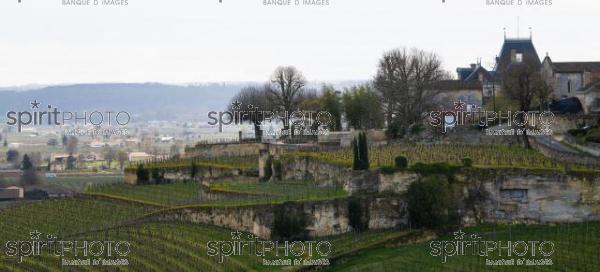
29, 176
364, 151
142, 175
355, 158
193, 170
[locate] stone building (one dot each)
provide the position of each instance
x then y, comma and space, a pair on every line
513, 51
574, 79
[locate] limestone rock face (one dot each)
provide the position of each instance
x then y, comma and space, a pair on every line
557, 198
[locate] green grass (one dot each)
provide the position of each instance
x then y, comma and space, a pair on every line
577, 248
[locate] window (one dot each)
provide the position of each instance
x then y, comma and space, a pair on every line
519, 57
516, 195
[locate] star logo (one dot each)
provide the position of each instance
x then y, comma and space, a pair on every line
35, 235
35, 104
236, 235
236, 105
459, 235
459, 106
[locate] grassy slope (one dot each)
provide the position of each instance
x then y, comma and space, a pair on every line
577, 249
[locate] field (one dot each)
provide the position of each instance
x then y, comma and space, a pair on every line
482, 156
180, 194
172, 246
239, 162
175, 194
577, 248
65, 216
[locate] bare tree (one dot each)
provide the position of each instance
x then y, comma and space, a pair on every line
405, 81
254, 101
287, 86
523, 83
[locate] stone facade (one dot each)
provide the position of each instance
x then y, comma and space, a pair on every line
514, 197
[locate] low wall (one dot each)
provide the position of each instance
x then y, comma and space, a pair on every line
223, 150
551, 152
353, 182
203, 173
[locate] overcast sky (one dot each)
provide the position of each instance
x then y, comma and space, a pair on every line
181, 41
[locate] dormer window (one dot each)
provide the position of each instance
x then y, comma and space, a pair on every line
519, 57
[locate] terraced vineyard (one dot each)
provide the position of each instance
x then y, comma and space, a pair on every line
577, 248
235, 162
175, 194
183, 247
65, 216
284, 191
183, 194
482, 156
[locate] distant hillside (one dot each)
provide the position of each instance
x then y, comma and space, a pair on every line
149, 101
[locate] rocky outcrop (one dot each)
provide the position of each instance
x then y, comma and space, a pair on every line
324, 218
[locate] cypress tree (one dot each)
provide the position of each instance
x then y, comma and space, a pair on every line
364, 151
355, 156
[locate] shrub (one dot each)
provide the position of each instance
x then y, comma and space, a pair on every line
467, 162
142, 175
401, 162
193, 170
289, 223
268, 169
440, 168
417, 129
431, 204
278, 170
388, 169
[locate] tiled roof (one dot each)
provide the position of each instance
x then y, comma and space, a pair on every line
576, 66
522, 46
456, 85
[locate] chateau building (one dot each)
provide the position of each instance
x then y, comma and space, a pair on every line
574, 79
